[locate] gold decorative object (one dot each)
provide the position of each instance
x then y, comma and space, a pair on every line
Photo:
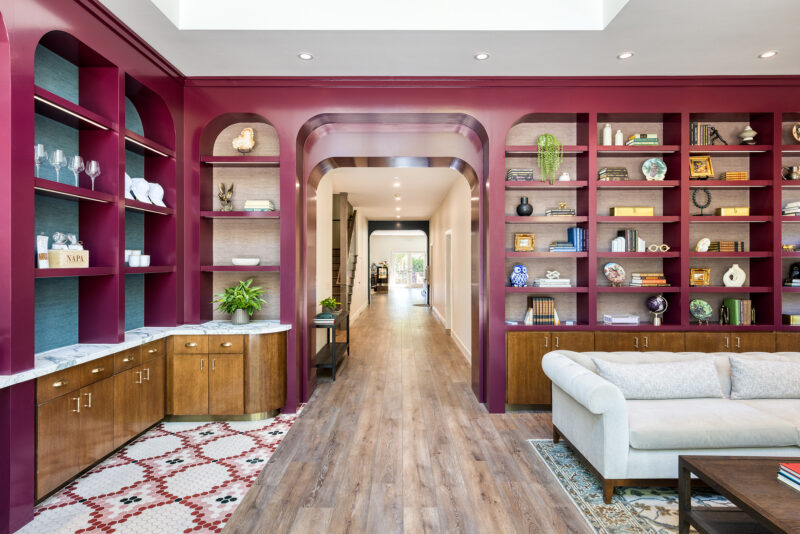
700, 167
663, 247
633, 211
524, 242
246, 141
225, 196
700, 277
734, 211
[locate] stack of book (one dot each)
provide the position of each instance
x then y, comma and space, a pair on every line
735, 176
789, 474
791, 283
577, 236
792, 208
560, 211
739, 311
648, 280
544, 310
700, 134
551, 282
626, 319
627, 241
612, 174
726, 246
563, 246
259, 205
642, 140
323, 318
519, 175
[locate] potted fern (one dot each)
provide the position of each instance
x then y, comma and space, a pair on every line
240, 301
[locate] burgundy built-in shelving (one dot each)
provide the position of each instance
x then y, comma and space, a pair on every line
527, 150
534, 185
83, 271
149, 208
725, 289
234, 161
721, 150
152, 269
640, 220
240, 268
544, 254
558, 219
643, 255
638, 184
138, 143
532, 289
62, 110
638, 150
240, 214
61, 190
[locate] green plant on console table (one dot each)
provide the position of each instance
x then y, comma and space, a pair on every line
240, 297
330, 303
549, 156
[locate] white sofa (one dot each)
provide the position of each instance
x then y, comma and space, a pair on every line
637, 442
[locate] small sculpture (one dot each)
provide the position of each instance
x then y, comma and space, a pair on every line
59, 241
716, 136
702, 245
74, 244
734, 277
794, 272
246, 141
553, 275
657, 305
519, 276
748, 136
225, 196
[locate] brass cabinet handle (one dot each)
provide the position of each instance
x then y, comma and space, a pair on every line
214, 364
646, 344
60, 383
636, 342
98, 370
140, 377
77, 405
546, 341
190, 345
556, 343
89, 405
727, 342
152, 351
147, 378
738, 342
127, 359
227, 344
202, 360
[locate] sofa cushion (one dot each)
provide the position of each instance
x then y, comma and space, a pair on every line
764, 379
786, 409
689, 379
705, 424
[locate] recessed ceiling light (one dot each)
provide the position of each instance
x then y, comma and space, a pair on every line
305, 56
398, 208
481, 56
768, 54
625, 55
397, 184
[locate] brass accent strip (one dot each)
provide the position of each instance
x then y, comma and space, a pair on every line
259, 416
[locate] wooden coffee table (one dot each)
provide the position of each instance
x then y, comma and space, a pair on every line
749, 482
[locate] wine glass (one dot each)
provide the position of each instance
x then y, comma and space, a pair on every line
93, 170
58, 160
39, 156
76, 166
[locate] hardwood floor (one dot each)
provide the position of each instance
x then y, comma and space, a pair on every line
399, 444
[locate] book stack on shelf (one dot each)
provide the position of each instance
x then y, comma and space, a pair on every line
791, 283
737, 312
734, 176
259, 205
612, 174
702, 134
561, 210
562, 246
726, 246
789, 474
645, 139
519, 175
792, 208
576, 241
325, 318
625, 319
628, 240
551, 282
541, 311
648, 280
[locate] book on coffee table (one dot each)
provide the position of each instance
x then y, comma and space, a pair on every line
789, 474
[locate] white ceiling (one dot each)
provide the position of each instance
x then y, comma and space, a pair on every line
675, 37
371, 190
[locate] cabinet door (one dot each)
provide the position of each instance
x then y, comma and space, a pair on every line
57, 442
617, 341
787, 342
127, 415
188, 384
661, 341
576, 341
226, 384
708, 342
526, 383
753, 342
97, 421
152, 391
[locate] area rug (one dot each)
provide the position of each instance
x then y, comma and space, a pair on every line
178, 477
632, 510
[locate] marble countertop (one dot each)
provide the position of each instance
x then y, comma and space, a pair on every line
72, 355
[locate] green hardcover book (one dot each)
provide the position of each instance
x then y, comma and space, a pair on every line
734, 312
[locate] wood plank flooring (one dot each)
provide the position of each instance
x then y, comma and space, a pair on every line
399, 444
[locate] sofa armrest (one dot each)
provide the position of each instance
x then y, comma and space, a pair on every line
593, 392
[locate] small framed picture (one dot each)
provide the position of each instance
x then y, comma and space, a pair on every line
523, 242
700, 167
699, 277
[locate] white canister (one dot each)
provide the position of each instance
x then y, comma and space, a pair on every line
144, 260
607, 135
618, 140
565, 177
134, 260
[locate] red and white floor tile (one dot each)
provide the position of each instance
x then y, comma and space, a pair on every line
178, 477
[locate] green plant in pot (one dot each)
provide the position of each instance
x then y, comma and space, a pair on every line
330, 305
549, 156
240, 301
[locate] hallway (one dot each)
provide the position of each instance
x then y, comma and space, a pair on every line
399, 444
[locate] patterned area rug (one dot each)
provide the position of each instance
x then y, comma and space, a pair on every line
632, 510
178, 477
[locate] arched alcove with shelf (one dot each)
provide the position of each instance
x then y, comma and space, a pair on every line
251, 227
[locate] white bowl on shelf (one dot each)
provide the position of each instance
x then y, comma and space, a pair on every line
245, 261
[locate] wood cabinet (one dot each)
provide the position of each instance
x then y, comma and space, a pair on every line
226, 384
730, 341
152, 394
57, 442
526, 382
127, 417
187, 384
639, 341
787, 342
753, 341
96, 421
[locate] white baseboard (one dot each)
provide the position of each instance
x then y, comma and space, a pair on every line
439, 317
462, 347
356, 314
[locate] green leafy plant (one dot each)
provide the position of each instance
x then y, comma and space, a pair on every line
549, 156
330, 303
240, 297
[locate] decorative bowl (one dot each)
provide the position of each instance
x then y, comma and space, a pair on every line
654, 169
246, 261
700, 310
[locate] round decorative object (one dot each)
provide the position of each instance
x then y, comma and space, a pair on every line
140, 189
245, 261
156, 194
654, 169
796, 131
524, 209
700, 310
697, 203
702, 245
657, 304
748, 136
615, 273
734, 277
519, 276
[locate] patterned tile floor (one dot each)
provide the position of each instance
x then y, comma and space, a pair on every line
178, 477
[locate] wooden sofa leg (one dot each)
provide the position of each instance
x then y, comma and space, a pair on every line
556, 435
608, 490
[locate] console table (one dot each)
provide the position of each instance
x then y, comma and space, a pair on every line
332, 354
